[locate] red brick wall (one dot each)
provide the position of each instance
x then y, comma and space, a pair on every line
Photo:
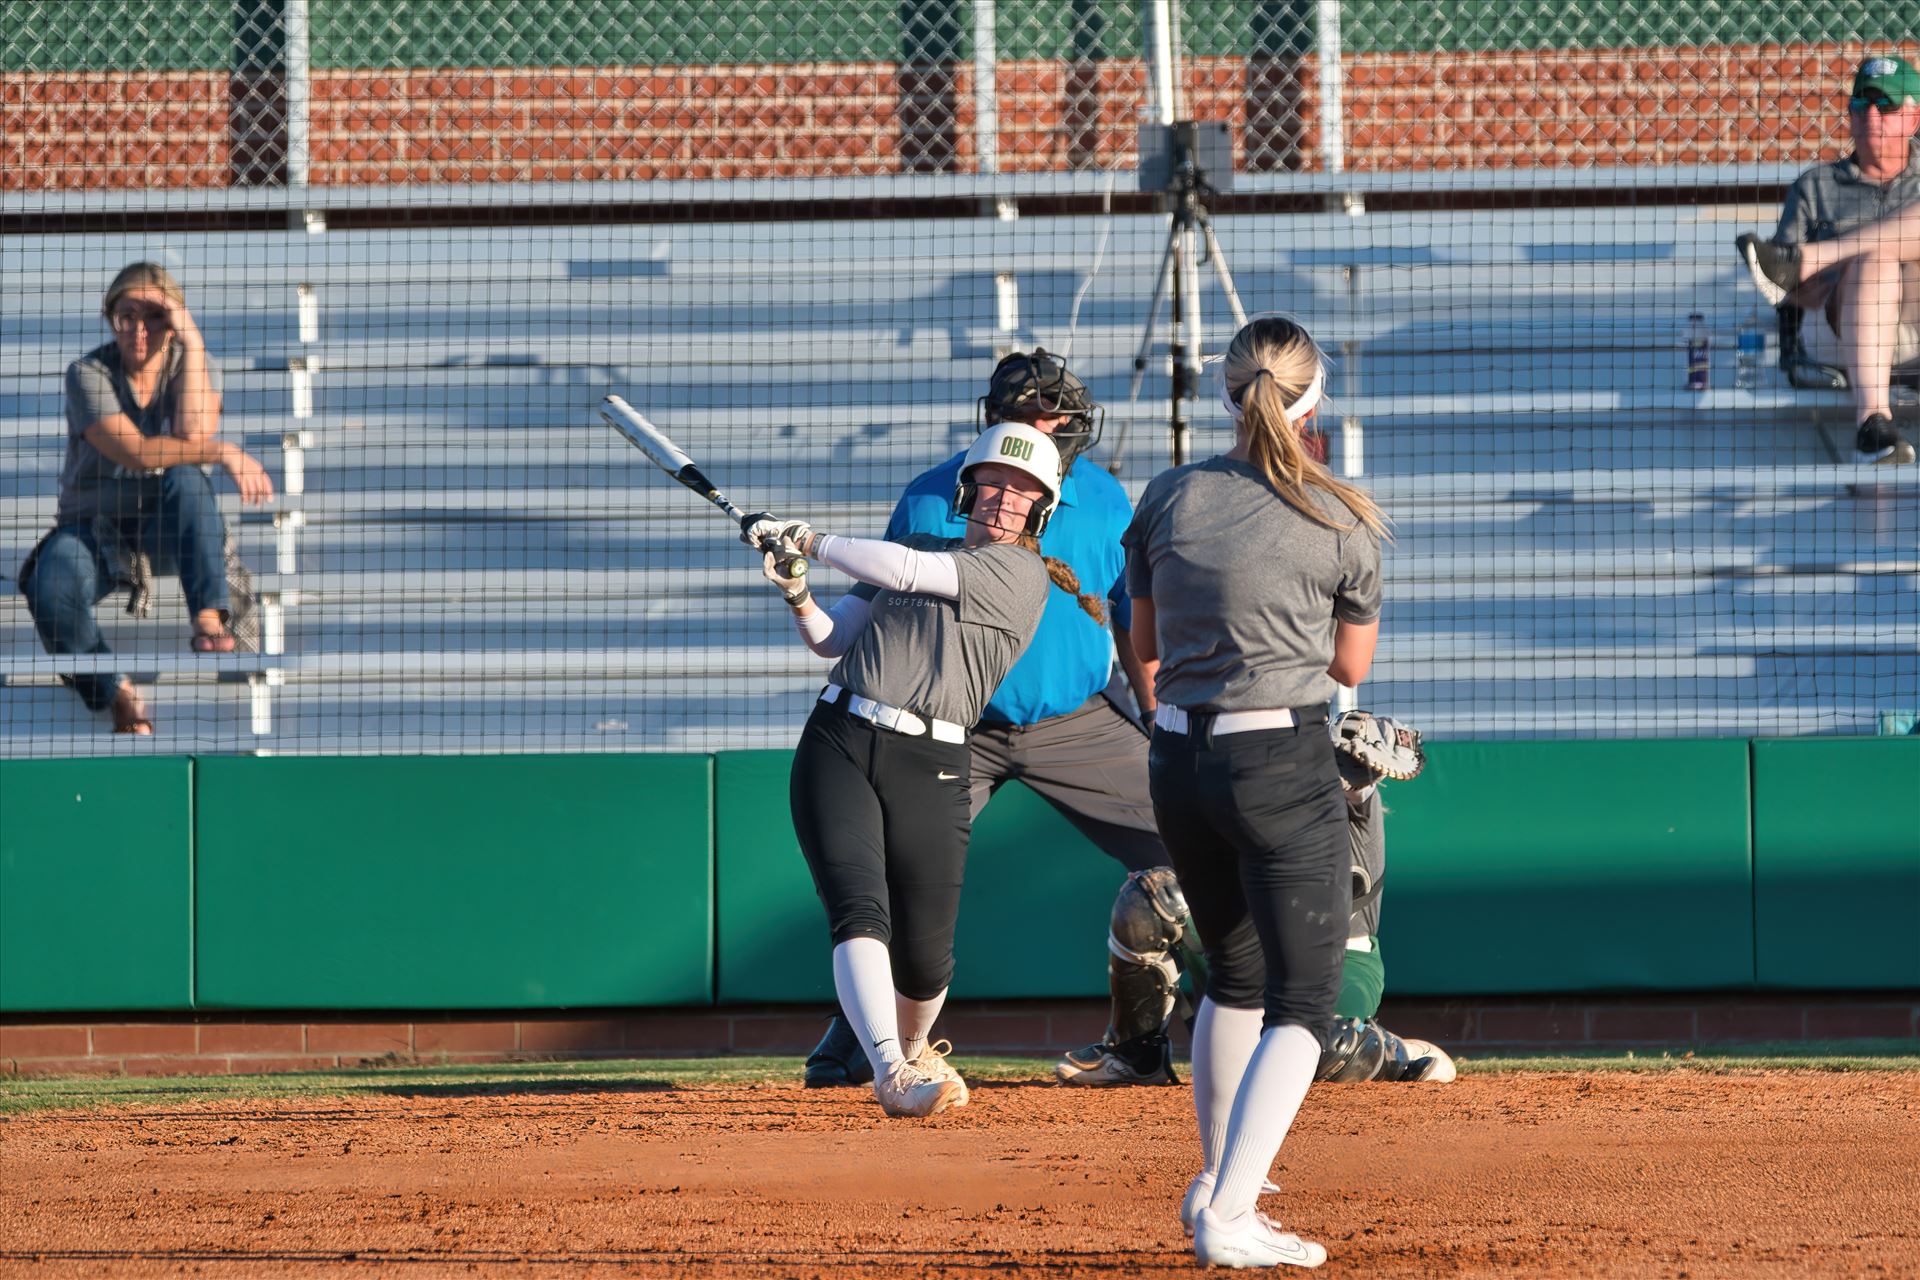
242, 1043
1403, 111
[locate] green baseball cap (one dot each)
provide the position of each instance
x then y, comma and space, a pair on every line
1892, 76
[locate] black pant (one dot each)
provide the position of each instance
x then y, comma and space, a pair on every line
1257, 829
883, 821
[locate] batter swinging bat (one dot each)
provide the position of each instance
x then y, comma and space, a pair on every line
666, 455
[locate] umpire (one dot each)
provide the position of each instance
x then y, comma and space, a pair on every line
1058, 723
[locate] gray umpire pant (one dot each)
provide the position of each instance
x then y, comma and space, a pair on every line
1090, 765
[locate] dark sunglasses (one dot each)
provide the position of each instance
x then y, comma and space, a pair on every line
126, 318
1873, 102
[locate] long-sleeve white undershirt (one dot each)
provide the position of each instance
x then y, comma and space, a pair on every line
887, 565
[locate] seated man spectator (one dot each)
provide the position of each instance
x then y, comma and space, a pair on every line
1849, 242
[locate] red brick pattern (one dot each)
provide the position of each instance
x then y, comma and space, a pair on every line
242, 1043
1480, 110
71, 131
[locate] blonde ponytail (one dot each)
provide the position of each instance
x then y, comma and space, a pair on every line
1269, 366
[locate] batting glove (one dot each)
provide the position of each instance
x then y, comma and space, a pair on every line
793, 589
766, 530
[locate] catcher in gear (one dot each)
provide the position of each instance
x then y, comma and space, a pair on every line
1369, 748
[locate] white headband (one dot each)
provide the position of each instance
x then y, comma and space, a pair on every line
1294, 412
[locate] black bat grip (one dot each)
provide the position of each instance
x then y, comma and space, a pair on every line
793, 566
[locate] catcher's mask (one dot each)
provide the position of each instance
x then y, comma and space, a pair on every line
1037, 384
1024, 448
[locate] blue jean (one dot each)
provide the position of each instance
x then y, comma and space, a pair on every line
174, 518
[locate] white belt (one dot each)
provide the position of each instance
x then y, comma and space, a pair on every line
1174, 720
898, 719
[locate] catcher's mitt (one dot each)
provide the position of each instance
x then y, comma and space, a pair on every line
1384, 745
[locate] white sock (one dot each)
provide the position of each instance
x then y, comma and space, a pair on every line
1223, 1041
863, 979
1275, 1082
916, 1021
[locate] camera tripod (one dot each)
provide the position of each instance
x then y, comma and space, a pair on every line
1179, 277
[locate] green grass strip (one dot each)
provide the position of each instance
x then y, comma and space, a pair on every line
22, 1095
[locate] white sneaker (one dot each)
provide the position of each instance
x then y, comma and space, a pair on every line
1200, 1191
1251, 1240
905, 1089
1442, 1071
934, 1065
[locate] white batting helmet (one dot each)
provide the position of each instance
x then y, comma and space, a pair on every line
1024, 448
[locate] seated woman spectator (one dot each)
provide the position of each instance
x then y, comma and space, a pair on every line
143, 411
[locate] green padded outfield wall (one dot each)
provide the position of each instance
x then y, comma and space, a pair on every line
455, 882
1033, 916
1836, 862
96, 884
1518, 867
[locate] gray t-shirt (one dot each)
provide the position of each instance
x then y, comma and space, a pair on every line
97, 388
1830, 200
944, 658
1246, 589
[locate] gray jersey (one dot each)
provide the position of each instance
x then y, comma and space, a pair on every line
97, 388
1368, 843
944, 658
1246, 589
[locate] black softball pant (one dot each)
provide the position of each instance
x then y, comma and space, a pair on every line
1256, 825
883, 821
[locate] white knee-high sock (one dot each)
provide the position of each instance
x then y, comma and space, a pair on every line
863, 979
1275, 1082
916, 1021
1223, 1041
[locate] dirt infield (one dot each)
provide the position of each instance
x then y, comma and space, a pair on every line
1678, 1173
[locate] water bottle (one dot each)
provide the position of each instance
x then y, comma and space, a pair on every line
1750, 354
1699, 352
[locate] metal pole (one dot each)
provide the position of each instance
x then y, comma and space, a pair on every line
1333, 123
986, 99
1156, 23
299, 93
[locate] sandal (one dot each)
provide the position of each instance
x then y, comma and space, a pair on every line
130, 713
220, 641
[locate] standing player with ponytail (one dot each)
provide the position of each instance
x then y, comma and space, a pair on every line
880, 777
1255, 579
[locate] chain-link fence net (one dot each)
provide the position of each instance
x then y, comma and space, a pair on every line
419, 242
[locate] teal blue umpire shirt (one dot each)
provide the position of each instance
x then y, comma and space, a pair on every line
1071, 656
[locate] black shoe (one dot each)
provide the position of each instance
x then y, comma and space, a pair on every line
838, 1060
1775, 267
1879, 442
1811, 375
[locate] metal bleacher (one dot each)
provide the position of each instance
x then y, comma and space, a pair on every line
1584, 548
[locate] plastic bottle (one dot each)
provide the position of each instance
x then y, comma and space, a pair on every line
1751, 354
1699, 353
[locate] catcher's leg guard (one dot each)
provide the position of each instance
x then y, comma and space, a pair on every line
1148, 933
1362, 1049
1354, 1049
1150, 921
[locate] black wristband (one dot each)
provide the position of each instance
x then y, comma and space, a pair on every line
798, 598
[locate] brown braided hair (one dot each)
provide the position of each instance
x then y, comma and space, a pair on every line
1063, 577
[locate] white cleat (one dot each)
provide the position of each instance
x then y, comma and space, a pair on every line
1200, 1191
1251, 1240
1442, 1070
934, 1065
905, 1089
